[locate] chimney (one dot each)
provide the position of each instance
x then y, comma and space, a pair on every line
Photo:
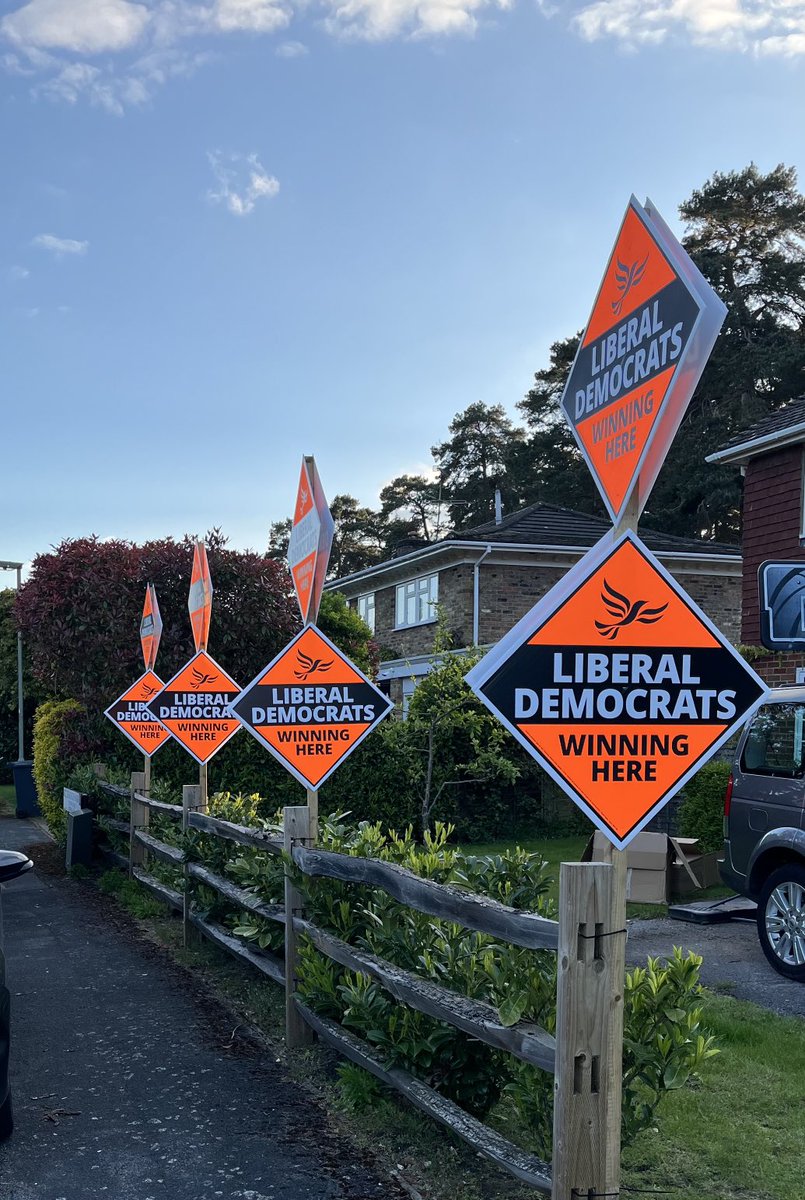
498, 507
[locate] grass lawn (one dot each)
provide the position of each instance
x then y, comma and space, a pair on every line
570, 849
8, 801
737, 1134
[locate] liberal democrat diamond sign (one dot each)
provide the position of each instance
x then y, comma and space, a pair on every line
618, 685
651, 331
311, 707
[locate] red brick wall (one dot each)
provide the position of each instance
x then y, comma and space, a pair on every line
779, 669
771, 525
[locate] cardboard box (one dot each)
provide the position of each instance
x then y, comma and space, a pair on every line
648, 860
690, 868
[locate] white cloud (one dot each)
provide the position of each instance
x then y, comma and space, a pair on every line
378, 20
82, 26
241, 181
763, 27
252, 16
18, 273
59, 246
291, 50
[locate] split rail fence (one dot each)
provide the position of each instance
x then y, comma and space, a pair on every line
584, 1056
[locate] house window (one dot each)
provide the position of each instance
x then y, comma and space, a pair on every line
416, 601
408, 689
366, 609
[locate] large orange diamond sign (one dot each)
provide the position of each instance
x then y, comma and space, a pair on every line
311, 707
130, 713
619, 685
651, 331
194, 707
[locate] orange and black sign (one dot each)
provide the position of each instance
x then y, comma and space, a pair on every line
619, 685
311, 707
651, 330
194, 707
130, 713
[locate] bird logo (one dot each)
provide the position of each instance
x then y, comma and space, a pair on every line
310, 665
626, 278
201, 678
625, 612
149, 691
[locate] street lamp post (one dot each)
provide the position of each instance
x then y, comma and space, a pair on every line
15, 566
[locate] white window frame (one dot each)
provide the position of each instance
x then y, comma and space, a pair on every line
366, 609
409, 686
415, 601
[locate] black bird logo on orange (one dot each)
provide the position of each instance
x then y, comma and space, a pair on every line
625, 612
626, 278
310, 665
149, 691
201, 678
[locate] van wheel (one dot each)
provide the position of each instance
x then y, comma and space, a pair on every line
781, 920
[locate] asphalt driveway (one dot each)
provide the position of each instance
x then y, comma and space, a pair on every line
129, 1086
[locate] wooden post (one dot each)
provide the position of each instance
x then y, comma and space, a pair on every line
140, 814
99, 770
296, 830
147, 775
202, 783
193, 800
313, 815
589, 1033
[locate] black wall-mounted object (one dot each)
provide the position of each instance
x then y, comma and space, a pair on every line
782, 605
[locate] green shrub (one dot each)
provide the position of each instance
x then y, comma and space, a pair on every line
702, 810
59, 747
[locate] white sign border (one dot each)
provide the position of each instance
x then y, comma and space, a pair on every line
120, 729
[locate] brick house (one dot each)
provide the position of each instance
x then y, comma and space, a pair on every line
485, 579
771, 456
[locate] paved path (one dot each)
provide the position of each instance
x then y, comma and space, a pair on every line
106, 1029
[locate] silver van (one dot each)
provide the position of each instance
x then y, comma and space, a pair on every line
764, 829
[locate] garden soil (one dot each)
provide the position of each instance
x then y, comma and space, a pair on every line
130, 1082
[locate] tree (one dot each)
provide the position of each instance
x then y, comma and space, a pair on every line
549, 466
279, 536
474, 460
80, 613
358, 537
453, 740
411, 507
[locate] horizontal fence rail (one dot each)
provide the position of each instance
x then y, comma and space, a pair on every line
272, 912
491, 1145
525, 1041
443, 900
234, 833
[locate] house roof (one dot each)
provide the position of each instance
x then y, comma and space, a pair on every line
550, 525
539, 527
784, 427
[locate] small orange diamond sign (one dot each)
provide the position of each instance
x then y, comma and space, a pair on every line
194, 707
199, 600
619, 686
150, 627
311, 707
130, 713
311, 540
653, 325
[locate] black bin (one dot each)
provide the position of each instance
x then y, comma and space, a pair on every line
24, 786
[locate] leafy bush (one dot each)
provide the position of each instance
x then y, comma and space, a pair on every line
63, 740
702, 810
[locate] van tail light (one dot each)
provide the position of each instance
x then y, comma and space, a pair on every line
728, 803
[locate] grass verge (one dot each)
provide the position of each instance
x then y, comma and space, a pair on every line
8, 800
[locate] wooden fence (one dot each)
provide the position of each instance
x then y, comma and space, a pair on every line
584, 1056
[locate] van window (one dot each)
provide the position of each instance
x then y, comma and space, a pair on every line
774, 744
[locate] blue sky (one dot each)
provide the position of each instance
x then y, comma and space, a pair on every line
238, 231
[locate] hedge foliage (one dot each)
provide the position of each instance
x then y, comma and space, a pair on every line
701, 813
665, 1041
64, 739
